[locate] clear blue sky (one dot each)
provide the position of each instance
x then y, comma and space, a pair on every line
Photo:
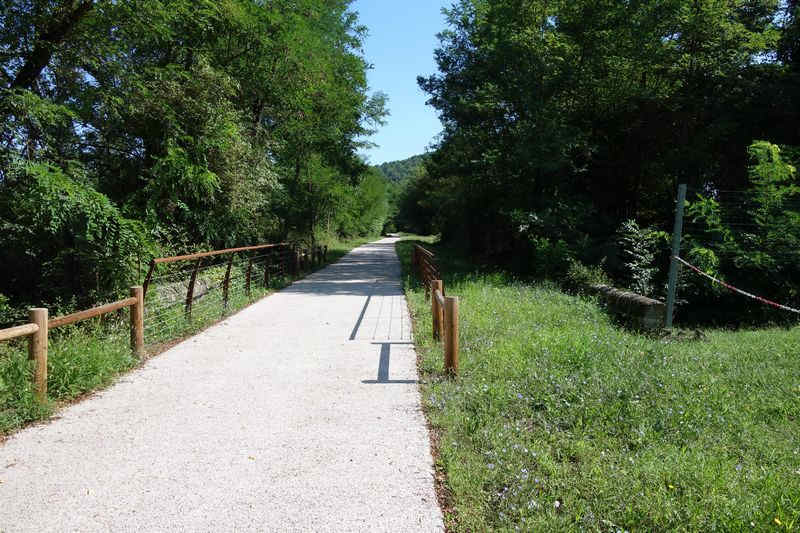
400, 45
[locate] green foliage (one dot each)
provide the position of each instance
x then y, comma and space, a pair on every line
560, 421
638, 249
192, 124
7, 312
580, 277
750, 240
59, 235
402, 170
413, 203
562, 120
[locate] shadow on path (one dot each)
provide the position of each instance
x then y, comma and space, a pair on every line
370, 270
383, 366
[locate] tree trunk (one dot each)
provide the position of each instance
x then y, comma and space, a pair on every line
50, 37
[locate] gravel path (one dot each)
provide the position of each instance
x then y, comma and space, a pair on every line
300, 413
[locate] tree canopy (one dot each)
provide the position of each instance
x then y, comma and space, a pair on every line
134, 125
563, 119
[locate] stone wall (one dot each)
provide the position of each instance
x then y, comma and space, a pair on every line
641, 311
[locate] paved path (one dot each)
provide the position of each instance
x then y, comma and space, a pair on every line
300, 413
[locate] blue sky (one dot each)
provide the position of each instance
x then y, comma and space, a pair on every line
400, 45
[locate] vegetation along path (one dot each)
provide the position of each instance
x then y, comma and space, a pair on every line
299, 413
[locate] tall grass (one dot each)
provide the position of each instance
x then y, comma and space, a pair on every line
561, 421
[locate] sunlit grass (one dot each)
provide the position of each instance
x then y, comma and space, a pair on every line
561, 421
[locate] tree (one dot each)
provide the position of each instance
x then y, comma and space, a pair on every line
603, 105
201, 120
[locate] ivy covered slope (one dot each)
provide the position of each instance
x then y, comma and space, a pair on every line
561, 421
135, 127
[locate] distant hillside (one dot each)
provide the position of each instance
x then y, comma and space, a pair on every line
397, 171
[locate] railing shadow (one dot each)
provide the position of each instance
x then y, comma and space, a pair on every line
383, 367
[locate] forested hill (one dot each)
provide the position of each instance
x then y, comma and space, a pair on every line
397, 171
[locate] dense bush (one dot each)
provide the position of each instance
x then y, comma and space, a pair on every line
59, 236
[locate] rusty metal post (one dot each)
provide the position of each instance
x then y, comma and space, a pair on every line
267, 266
226, 283
436, 309
249, 274
190, 290
149, 276
137, 322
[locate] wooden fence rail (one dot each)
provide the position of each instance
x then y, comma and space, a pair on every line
39, 326
425, 264
444, 309
38, 329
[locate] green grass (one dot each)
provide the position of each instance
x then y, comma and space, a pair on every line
561, 421
90, 355
80, 359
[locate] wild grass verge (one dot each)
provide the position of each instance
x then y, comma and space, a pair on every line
561, 421
88, 356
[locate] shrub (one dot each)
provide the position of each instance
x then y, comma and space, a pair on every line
61, 238
580, 276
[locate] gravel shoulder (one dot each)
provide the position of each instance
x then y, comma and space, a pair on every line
299, 413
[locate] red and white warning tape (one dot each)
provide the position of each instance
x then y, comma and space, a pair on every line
739, 291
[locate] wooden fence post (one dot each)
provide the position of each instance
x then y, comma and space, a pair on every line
325, 253
296, 261
137, 322
451, 335
37, 351
190, 291
267, 266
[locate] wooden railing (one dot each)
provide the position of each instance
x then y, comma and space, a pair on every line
38, 328
444, 309
445, 324
425, 264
